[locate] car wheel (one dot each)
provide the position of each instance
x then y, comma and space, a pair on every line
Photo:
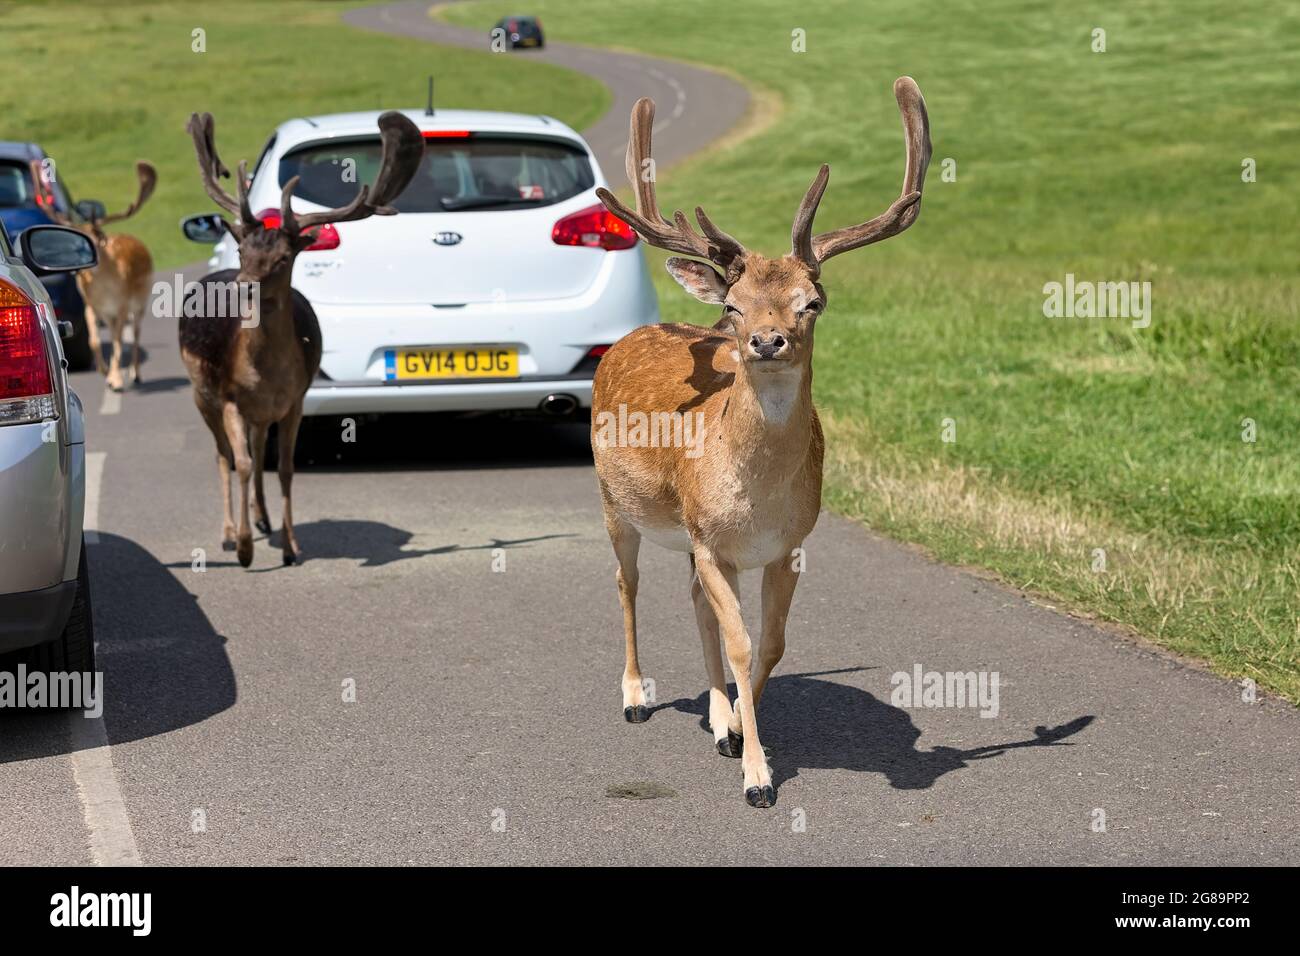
74, 649
76, 350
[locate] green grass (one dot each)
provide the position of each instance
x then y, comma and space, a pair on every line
101, 85
1072, 434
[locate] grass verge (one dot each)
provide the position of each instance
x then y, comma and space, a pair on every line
1073, 436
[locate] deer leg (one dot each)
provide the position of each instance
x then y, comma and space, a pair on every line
257, 446
237, 436
116, 328
92, 333
779, 580
627, 545
721, 586
137, 321
225, 461
729, 743
288, 437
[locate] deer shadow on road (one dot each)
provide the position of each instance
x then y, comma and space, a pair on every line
165, 666
811, 724
373, 543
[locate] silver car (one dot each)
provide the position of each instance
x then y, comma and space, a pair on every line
44, 593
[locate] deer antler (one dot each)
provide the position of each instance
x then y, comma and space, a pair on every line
211, 168
814, 250
403, 150
677, 236
45, 194
148, 177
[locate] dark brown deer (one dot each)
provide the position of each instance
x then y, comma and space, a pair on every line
250, 370
746, 491
117, 290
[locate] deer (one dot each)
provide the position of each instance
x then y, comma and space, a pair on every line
116, 291
250, 365
747, 493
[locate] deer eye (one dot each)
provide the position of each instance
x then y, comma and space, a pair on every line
812, 308
729, 309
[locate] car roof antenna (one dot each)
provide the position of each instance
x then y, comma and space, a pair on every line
428, 110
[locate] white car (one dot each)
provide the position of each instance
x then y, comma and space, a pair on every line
497, 287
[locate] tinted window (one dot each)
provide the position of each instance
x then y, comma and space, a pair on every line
15, 185
456, 174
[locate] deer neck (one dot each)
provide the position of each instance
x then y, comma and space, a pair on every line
768, 419
275, 326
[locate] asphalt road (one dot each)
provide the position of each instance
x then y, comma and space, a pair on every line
487, 726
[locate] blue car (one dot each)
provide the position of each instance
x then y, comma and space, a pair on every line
19, 209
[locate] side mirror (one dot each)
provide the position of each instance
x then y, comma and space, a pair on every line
207, 228
50, 249
90, 209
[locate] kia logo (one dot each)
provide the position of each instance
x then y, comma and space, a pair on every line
447, 238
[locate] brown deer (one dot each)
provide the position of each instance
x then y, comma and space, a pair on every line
747, 490
251, 369
117, 290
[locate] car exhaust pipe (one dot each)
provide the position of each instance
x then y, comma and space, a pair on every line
559, 406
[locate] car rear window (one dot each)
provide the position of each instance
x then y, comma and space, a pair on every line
15, 185
474, 173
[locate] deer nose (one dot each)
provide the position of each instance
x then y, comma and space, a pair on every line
767, 344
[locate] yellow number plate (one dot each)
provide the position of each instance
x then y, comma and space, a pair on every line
494, 362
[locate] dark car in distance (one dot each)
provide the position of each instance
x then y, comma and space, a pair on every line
521, 31
20, 208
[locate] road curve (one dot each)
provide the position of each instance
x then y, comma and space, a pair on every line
695, 106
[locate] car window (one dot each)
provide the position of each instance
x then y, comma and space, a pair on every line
475, 173
15, 185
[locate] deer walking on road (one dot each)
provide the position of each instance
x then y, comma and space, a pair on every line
117, 290
748, 495
251, 371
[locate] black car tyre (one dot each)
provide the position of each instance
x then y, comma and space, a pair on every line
74, 649
77, 348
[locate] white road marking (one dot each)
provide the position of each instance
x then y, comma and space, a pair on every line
94, 479
112, 842
679, 107
111, 403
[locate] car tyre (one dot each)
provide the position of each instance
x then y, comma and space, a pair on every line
74, 649
76, 349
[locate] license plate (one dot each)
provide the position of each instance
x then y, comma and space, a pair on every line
494, 362
529, 42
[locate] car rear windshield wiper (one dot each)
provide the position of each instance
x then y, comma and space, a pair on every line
479, 202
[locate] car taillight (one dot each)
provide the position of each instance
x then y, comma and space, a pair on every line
596, 227
327, 237
26, 387
590, 360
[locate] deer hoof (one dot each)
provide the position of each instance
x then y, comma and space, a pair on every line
244, 551
732, 746
761, 797
262, 525
636, 715
290, 558
228, 545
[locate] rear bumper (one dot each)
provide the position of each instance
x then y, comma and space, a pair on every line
28, 618
42, 487
344, 398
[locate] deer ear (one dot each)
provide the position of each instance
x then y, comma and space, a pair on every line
699, 279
